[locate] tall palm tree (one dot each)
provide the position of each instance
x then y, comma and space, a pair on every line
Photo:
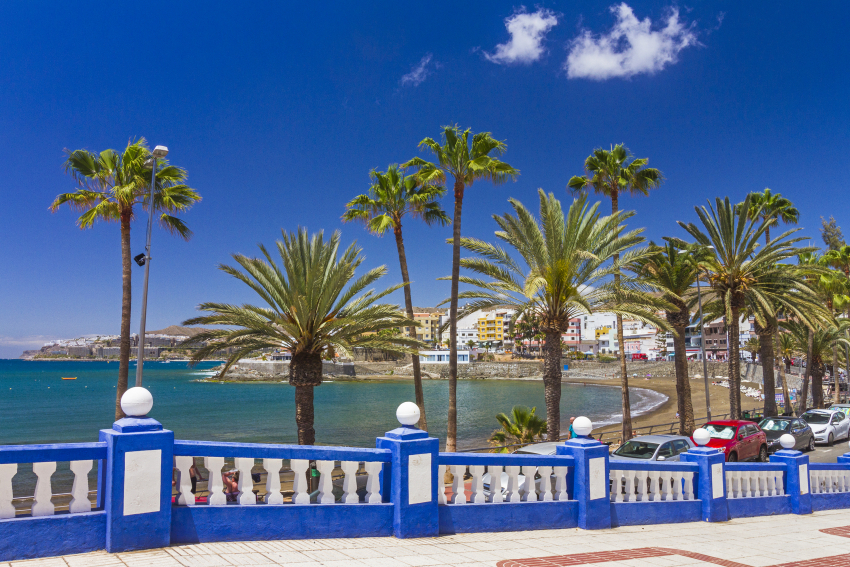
839, 259
819, 343
110, 187
771, 208
568, 260
674, 270
611, 173
463, 161
391, 197
743, 275
521, 426
785, 349
312, 305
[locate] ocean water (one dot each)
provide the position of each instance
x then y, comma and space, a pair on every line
37, 406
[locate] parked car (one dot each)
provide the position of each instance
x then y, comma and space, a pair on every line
639, 356
737, 439
828, 425
776, 427
843, 408
654, 448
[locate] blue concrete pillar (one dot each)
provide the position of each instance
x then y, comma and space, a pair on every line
711, 482
590, 481
796, 479
137, 484
410, 481
845, 458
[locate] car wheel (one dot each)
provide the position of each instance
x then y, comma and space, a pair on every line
732, 458
830, 440
763, 458
811, 444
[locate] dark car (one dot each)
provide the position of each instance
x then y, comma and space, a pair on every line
738, 440
776, 427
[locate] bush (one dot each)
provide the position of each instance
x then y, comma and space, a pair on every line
603, 358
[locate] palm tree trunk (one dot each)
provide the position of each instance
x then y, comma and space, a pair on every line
451, 434
805, 388
624, 377
734, 364
818, 370
408, 304
304, 415
552, 384
835, 372
783, 378
683, 384
847, 365
305, 373
126, 288
768, 358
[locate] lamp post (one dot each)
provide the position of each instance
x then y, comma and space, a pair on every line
158, 152
702, 346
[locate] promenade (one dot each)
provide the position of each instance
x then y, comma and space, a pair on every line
821, 539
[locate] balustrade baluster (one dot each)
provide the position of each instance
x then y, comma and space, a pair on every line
496, 496
373, 483
349, 482
300, 486
676, 486
41, 504
512, 491
545, 484
215, 484
770, 483
273, 495
458, 486
730, 484
325, 469
666, 478
780, 483
814, 481
477, 472
183, 481
761, 478
640, 485
630, 486
529, 486
245, 485
561, 491
7, 471
80, 502
613, 486
652, 485
689, 485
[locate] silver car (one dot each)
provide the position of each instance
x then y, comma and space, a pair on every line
547, 448
653, 448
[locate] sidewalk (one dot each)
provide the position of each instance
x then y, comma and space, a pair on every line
818, 540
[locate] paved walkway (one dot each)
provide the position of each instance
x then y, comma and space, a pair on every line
818, 540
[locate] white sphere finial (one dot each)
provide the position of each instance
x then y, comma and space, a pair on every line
702, 437
407, 413
136, 402
787, 441
582, 426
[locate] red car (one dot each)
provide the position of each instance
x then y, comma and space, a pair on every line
738, 440
639, 356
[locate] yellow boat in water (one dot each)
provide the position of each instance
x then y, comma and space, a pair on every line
71, 378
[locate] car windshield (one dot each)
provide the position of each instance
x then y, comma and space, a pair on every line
637, 450
812, 417
774, 424
720, 431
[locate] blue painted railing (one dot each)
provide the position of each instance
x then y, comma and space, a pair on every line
287, 452
53, 453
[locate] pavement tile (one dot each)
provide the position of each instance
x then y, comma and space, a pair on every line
323, 555
283, 557
211, 560
95, 559
45, 562
362, 553
251, 558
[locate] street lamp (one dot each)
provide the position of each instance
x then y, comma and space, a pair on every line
158, 153
702, 346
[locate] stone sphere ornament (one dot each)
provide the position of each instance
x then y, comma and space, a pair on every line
407, 413
582, 426
702, 437
137, 402
787, 441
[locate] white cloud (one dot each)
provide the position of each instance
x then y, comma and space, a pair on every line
631, 47
527, 34
419, 72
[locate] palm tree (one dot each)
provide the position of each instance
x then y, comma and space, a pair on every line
464, 163
610, 173
744, 275
752, 346
111, 186
839, 259
771, 208
568, 260
391, 197
785, 349
520, 427
819, 343
310, 307
674, 270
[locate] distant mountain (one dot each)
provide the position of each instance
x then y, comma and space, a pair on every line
176, 330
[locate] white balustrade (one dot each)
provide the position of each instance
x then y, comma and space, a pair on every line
41, 504
325, 469
245, 486
7, 509
529, 486
512, 490
477, 472
349, 482
689, 485
651, 486
373, 483
458, 488
545, 484
442, 471
184, 481
80, 502
496, 496
273, 495
640, 485
754, 483
561, 491
215, 484
300, 487
829, 481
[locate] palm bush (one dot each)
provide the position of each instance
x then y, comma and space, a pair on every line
522, 426
312, 305
819, 344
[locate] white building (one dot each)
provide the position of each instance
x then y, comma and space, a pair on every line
443, 357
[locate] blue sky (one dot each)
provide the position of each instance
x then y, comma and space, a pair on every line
278, 113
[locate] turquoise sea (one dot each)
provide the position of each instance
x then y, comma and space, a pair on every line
37, 406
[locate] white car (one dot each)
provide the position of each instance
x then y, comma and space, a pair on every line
828, 425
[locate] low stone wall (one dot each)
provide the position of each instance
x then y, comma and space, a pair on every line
477, 370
